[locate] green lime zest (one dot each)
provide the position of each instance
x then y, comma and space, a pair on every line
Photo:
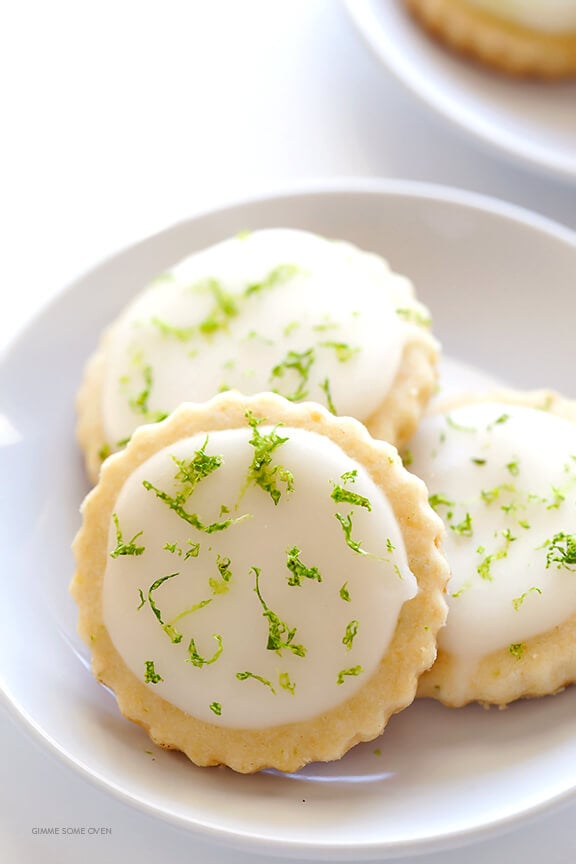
343, 351
261, 471
169, 629
182, 334
353, 671
298, 569
350, 634
326, 324
518, 601
244, 676
355, 545
224, 309
280, 635
491, 495
458, 427
285, 682
460, 591
193, 551
104, 451
325, 387
291, 327
198, 661
176, 503
190, 610
463, 528
414, 316
484, 569
559, 497
503, 418
299, 363
192, 471
341, 495
561, 551
175, 549
139, 403
517, 650
122, 548
439, 500
407, 457
278, 276
345, 593
150, 674
513, 467
221, 583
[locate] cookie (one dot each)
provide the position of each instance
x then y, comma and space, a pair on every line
517, 37
275, 310
501, 472
259, 582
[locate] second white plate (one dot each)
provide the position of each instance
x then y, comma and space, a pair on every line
531, 122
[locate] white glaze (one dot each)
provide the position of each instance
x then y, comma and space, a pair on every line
529, 456
303, 518
547, 16
331, 285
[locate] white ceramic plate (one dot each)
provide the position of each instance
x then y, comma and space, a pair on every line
531, 122
501, 285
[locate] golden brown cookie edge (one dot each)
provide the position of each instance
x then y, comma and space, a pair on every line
494, 42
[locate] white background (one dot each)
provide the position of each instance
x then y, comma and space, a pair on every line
120, 118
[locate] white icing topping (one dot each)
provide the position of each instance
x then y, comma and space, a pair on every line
359, 594
278, 310
548, 16
503, 478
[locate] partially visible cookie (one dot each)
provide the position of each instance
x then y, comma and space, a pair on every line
517, 37
259, 582
276, 310
501, 472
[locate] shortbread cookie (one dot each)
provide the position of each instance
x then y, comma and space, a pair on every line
259, 582
501, 471
519, 37
275, 310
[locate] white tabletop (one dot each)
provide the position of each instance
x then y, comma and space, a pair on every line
123, 117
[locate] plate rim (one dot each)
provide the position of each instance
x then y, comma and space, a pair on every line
361, 12
250, 840
301, 188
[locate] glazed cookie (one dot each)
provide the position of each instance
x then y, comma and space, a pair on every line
519, 37
501, 471
275, 310
259, 582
